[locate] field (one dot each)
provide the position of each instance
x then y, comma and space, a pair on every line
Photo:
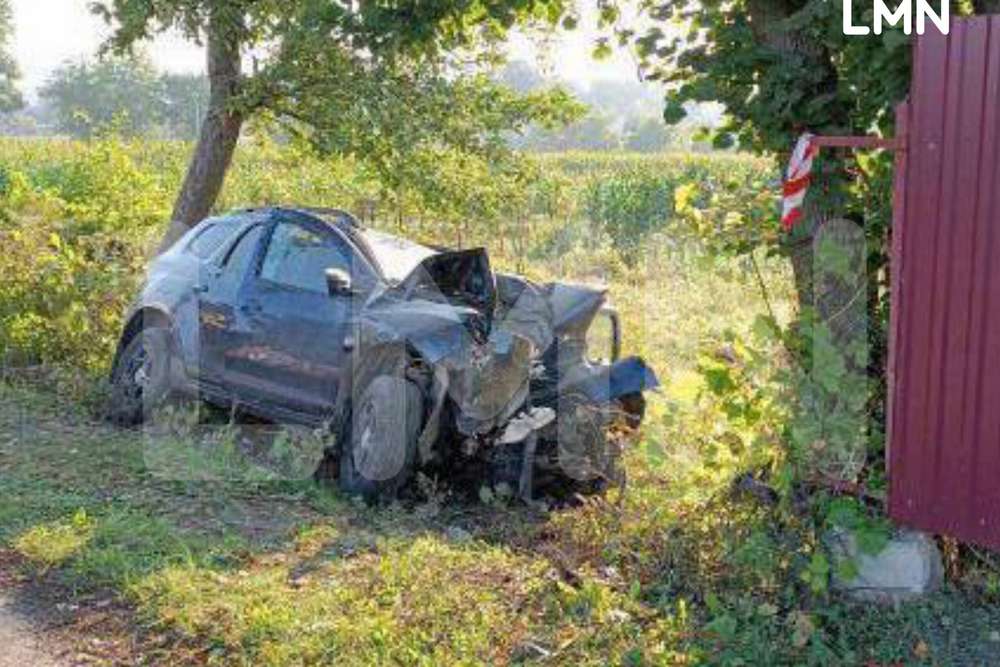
218, 565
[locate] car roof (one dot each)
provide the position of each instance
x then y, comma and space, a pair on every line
394, 257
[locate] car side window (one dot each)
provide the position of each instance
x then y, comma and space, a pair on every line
210, 239
299, 257
239, 258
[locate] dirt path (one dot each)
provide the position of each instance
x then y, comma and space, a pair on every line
20, 643
44, 624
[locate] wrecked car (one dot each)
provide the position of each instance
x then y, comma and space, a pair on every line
415, 357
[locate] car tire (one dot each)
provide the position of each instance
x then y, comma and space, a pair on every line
140, 381
379, 430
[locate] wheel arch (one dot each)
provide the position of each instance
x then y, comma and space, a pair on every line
358, 367
140, 319
365, 368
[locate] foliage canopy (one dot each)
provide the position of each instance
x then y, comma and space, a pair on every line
779, 67
376, 79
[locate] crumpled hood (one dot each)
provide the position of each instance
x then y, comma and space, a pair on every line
460, 281
436, 329
575, 306
488, 377
457, 277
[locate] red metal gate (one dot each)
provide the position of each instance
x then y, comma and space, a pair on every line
944, 419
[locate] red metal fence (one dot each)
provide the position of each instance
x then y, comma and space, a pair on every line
944, 420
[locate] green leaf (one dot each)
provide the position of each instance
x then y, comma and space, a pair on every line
602, 50
719, 380
724, 626
723, 140
872, 538
674, 111
847, 569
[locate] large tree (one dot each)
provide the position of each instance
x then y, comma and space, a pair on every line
309, 59
781, 68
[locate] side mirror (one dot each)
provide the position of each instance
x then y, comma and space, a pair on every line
338, 282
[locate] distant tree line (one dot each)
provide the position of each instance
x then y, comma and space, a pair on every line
124, 95
127, 95
622, 115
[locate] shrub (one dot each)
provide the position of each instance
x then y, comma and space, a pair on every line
628, 205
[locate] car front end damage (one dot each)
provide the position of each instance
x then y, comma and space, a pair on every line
502, 363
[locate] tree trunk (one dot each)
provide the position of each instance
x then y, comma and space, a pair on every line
217, 139
769, 21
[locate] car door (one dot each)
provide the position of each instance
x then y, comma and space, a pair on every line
300, 330
226, 330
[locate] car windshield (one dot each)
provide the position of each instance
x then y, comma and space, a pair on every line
397, 257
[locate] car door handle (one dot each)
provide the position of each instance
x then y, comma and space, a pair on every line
250, 307
199, 289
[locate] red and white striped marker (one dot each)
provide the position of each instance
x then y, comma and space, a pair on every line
797, 181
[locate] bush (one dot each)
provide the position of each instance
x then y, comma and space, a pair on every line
628, 206
62, 299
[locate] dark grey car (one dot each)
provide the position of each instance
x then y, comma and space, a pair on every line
415, 356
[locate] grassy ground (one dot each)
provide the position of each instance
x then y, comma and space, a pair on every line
227, 567
264, 573
174, 546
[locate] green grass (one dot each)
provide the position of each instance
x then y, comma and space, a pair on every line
251, 573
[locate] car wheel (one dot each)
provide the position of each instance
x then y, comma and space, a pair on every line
378, 436
141, 378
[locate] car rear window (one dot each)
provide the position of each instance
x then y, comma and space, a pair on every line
209, 239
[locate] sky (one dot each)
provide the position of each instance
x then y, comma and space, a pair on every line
50, 32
